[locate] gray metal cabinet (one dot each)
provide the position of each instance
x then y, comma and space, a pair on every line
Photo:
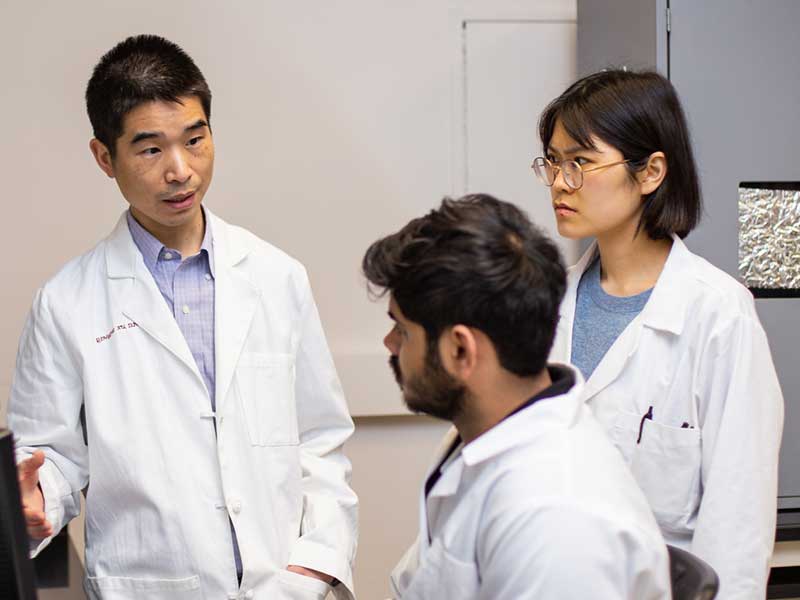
736, 67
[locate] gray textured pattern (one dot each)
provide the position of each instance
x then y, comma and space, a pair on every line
769, 238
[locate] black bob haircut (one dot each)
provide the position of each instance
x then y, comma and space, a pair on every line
637, 113
475, 261
140, 69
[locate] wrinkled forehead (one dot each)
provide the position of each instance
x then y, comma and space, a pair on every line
165, 117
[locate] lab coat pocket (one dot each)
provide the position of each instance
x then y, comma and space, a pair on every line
265, 385
666, 464
442, 575
294, 586
131, 588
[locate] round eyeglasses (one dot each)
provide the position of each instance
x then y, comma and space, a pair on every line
547, 171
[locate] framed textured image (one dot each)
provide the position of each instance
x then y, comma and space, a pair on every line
769, 238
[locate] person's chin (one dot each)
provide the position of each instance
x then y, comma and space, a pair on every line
569, 231
420, 408
414, 405
172, 217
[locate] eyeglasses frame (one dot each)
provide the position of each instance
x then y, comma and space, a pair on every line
558, 169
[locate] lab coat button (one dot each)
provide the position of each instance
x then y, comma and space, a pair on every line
248, 594
236, 507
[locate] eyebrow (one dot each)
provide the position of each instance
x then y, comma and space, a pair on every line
146, 135
199, 124
570, 150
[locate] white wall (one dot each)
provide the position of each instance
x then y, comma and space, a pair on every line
335, 123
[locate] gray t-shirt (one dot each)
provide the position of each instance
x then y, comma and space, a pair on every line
599, 319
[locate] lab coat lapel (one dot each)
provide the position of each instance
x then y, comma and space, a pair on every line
446, 487
664, 311
424, 503
613, 363
236, 299
134, 287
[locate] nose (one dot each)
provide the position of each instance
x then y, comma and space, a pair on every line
391, 341
559, 185
178, 169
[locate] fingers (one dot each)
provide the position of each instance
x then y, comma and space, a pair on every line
28, 473
37, 524
30, 466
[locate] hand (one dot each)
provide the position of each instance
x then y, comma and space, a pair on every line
311, 573
32, 499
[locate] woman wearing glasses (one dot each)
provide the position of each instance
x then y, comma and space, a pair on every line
677, 365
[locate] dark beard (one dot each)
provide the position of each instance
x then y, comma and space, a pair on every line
394, 363
435, 392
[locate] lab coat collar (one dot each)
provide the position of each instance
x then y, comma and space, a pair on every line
450, 440
527, 424
229, 250
665, 311
446, 486
451, 477
151, 247
235, 301
666, 308
132, 286
123, 255
517, 429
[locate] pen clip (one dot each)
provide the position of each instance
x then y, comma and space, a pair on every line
647, 415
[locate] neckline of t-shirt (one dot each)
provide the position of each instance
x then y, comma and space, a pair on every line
608, 302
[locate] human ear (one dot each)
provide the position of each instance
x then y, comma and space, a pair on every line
102, 156
458, 350
653, 174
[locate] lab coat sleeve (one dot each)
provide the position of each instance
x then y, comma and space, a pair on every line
44, 414
330, 507
562, 552
742, 423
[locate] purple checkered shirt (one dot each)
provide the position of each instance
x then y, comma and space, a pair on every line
188, 287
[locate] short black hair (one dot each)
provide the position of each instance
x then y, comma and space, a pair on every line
480, 262
637, 113
140, 69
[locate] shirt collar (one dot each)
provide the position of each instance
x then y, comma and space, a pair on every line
557, 405
151, 248
562, 380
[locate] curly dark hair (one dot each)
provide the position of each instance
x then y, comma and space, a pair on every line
480, 262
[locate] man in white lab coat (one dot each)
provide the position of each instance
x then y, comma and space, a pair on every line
527, 498
210, 451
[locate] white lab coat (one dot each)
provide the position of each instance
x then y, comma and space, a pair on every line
698, 355
540, 507
161, 484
